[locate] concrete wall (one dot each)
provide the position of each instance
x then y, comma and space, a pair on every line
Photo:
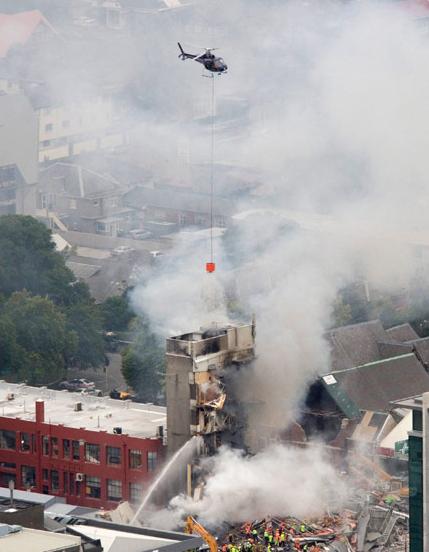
179, 370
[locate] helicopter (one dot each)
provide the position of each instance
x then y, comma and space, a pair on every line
210, 61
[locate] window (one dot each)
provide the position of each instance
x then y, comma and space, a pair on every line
151, 461
75, 450
113, 455
135, 459
182, 219
114, 489
66, 482
45, 445
136, 492
45, 144
49, 127
8, 465
71, 481
55, 480
54, 447
45, 475
93, 487
7, 439
28, 476
25, 442
66, 448
92, 453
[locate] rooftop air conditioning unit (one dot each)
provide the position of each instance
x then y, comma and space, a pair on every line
78, 407
79, 477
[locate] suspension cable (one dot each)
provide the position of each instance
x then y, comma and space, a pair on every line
211, 266
212, 153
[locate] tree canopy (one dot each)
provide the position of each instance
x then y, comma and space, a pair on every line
48, 320
143, 365
29, 261
36, 342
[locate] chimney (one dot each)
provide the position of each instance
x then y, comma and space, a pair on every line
40, 411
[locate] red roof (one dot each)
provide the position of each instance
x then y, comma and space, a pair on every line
17, 28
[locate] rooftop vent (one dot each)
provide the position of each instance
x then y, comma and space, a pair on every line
78, 407
8, 529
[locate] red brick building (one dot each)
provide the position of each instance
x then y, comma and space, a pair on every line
93, 451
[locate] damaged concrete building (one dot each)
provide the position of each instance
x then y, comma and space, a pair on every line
201, 368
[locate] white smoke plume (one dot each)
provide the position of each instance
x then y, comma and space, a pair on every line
337, 127
337, 124
279, 480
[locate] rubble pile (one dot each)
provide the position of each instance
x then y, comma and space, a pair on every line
371, 529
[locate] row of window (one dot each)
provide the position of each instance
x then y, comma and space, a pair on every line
50, 127
90, 486
71, 450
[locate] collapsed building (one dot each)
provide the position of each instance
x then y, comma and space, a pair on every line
200, 376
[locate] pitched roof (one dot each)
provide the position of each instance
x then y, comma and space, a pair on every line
76, 181
374, 385
17, 28
402, 333
355, 344
421, 346
177, 199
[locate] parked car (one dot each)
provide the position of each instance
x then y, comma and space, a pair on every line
140, 234
77, 384
155, 254
122, 249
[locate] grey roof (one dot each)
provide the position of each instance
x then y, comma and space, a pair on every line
372, 386
366, 342
176, 199
389, 349
73, 180
30, 496
82, 271
403, 332
421, 346
355, 344
18, 135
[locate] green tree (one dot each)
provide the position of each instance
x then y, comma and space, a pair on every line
40, 336
29, 261
84, 321
341, 313
116, 313
143, 365
13, 358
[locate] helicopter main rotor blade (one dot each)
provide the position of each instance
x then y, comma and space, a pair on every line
200, 56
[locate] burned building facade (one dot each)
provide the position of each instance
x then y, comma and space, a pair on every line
200, 387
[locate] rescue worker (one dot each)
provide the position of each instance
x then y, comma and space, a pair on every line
254, 533
224, 547
282, 538
302, 528
270, 538
266, 537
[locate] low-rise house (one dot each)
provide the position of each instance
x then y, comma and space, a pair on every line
84, 200
179, 206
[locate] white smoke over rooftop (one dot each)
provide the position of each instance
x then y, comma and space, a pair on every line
337, 123
279, 480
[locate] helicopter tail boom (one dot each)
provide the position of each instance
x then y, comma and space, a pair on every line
183, 54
